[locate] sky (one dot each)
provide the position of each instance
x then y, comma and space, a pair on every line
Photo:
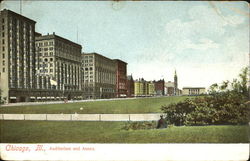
205, 42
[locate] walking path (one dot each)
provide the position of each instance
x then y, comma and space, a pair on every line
82, 117
72, 101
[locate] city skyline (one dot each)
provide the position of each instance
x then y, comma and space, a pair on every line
206, 42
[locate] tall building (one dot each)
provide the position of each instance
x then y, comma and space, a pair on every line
99, 79
144, 88
141, 88
58, 68
130, 86
121, 78
169, 88
150, 88
159, 87
17, 53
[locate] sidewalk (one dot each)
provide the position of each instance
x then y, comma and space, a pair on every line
82, 117
72, 101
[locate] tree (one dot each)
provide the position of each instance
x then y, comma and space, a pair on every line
225, 105
213, 88
224, 85
243, 81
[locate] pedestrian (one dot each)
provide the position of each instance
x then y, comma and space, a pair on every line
161, 123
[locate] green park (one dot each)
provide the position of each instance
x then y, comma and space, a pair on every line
222, 116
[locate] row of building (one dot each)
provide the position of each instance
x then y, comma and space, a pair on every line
143, 88
36, 67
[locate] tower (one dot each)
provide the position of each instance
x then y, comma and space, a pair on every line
175, 84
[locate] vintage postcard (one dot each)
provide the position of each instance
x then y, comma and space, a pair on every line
124, 80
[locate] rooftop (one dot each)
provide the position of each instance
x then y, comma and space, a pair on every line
16, 14
54, 36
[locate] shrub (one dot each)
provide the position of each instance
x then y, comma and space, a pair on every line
224, 105
139, 125
222, 108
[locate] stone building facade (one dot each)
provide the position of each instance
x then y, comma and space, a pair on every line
140, 88
159, 87
121, 78
150, 89
130, 86
17, 53
58, 68
144, 88
169, 88
99, 79
193, 90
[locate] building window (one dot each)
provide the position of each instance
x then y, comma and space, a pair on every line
51, 53
3, 34
3, 41
51, 70
51, 43
45, 49
46, 44
3, 48
3, 27
45, 54
51, 59
3, 70
3, 55
51, 48
3, 62
3, 20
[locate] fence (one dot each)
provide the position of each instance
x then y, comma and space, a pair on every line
82, 117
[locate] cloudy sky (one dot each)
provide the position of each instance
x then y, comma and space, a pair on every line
206, 42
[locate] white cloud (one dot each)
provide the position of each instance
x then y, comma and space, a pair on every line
234, 20
220, 49
203, 44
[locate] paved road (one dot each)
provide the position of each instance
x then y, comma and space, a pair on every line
82, 117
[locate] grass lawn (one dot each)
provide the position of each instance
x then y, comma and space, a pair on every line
111, 132
141, 105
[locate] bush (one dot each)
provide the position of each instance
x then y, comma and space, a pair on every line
140, 125
224, 105
222, 108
